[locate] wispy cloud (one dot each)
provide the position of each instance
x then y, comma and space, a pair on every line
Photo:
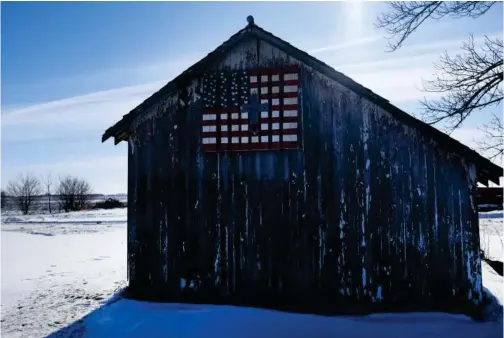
346, 45
63, 137
397, 76
95, 111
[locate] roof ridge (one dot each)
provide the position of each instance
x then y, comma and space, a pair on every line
121, 128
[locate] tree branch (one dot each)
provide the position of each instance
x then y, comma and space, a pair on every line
492, 143
404, 17
469, 81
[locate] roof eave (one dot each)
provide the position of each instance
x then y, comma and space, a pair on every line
194, 70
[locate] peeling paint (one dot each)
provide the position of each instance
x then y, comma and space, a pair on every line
379, 293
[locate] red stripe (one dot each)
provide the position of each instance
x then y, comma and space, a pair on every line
219, 110
276, 145
275, 83
278, 95
238, 121
242, 133
290, 145
288, 83
277, 119
209, 122
258, 146
285, 107
233, 146
274, 71
233, 122
289, 131
236, 147
239, 133
278, 132
224, 122
209, 147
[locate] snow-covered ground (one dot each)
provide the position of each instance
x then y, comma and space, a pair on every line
56, 268
492, 234
59, 274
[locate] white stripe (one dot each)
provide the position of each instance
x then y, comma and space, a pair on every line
209, 140
290, 100
235, 127
264, 114
255, 139
290, 89
209, 128
275, 113
264, 101
276, 138
275, 102
264, 90
289, 125
235, 140
290, 138
288, 77
244, 127
264, 139
254, 91
264, 126
208, 117
244, 139
275, 126
244, 115
234, 116
253, 79
224, 116
224, 140
224, 128
264, 78
275, 78
275, 89
290, 113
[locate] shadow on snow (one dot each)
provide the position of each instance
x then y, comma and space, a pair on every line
123, 317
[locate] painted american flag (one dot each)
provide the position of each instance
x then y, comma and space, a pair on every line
251, 110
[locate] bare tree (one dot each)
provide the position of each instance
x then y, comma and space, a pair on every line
468, 82
493, 142
48, 182
24, 189
74, 193
83, 193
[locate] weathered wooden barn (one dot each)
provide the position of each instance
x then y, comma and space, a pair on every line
261, 173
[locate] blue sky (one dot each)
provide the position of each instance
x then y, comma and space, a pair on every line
70, 70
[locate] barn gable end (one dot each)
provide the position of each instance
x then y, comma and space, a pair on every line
369, 209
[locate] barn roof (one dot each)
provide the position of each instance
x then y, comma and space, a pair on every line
486, 169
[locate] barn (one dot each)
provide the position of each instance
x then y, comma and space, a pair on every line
261, 174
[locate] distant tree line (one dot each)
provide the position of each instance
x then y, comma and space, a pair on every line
68, 193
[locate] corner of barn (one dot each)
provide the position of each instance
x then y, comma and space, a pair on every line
368, 213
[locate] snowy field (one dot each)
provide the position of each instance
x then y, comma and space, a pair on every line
60, 272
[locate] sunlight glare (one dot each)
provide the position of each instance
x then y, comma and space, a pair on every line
354, 12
